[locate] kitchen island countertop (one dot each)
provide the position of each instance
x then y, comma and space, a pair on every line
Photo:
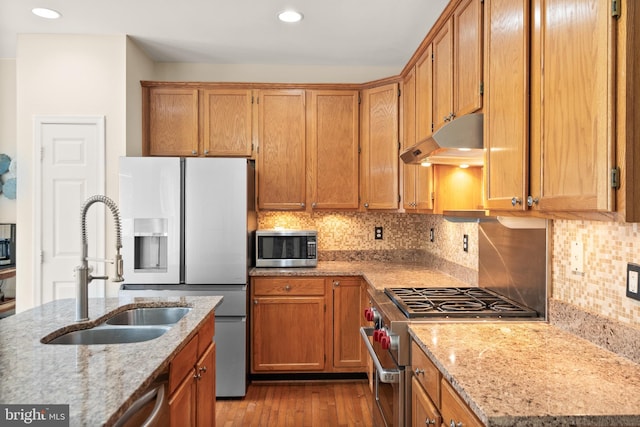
98, 382
533, 374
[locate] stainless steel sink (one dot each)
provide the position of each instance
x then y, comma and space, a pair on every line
110, 335
149, 316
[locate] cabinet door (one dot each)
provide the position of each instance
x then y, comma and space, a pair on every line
380, 147
506, 104
206, 387
573, 115
173, 122
423, 411
288, 334
443, 75
409, 139
182, 404
227, 122
349, 302
333, 149
467, 61
454, 410
281, 152
424, 127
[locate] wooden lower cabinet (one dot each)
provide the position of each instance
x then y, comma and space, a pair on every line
433, 400
307, 324
192, 381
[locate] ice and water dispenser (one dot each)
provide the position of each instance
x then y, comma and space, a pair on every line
150, 244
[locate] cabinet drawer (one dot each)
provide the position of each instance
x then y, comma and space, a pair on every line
183, 364
425, 372
288, 286
454, 410
205, 334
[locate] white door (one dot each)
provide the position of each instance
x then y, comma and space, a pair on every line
70, 170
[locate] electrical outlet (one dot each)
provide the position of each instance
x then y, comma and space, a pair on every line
465, 242
633, 271
378, 233
577, 257
432, 235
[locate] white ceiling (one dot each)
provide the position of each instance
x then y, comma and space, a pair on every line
333, 32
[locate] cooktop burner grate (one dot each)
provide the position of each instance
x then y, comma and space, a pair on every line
455, 302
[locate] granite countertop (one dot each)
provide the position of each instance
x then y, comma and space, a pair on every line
533, 374
377, 274
98, 382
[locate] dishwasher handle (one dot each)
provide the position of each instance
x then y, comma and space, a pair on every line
159, 393
389, 376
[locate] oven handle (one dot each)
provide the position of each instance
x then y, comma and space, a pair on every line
390, 376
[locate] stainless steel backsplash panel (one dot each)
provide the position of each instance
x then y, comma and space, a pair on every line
513, 262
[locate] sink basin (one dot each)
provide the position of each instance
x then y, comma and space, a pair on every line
149, 316
110, 335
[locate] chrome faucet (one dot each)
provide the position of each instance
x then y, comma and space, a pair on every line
83, 271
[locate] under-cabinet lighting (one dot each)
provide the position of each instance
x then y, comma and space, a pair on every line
290, 16
46, 13
425, 164
464, 166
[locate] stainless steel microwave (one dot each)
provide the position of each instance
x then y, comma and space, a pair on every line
286, 248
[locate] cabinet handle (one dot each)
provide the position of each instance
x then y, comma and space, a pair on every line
302, 205
206, 151
419, 371
366, 205
313, 205
515, 201
531, 201
198, 376
255, 302
203, 369
454, 424
194, 152
336, 283
287, 288
430, 422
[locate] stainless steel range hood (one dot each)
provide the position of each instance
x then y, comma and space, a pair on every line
459, 141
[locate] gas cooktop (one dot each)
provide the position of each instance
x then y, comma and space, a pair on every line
455, 302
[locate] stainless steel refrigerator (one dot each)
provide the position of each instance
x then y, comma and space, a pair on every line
188, 229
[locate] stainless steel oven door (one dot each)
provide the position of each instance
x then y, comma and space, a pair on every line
388, 383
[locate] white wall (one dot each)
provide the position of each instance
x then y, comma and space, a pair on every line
65, 75
139, 67
8, 144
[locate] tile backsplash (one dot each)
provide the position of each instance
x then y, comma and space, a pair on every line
601, 288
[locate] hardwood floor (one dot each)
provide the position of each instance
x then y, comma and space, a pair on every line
322, 404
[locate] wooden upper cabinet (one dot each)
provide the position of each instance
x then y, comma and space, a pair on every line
171, 128
443, 75
457, 64
227, 122
573, 98
424, 94
281, 152
332, 138
467, 57
506, 104
417, 180
380, 147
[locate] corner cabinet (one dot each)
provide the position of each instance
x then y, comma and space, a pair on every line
281, 149
192, 381
379, 184
333, 151
187, 121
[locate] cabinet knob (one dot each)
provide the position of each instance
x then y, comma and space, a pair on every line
430, 422
515, 201
203, 369
255, 302
366, 205
454, 424
419, 371
194, 152
336, 283
531, 201
302, 205
206, 151
287, 288
313, 205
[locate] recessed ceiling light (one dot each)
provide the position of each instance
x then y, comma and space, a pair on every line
290, 16
46, 13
